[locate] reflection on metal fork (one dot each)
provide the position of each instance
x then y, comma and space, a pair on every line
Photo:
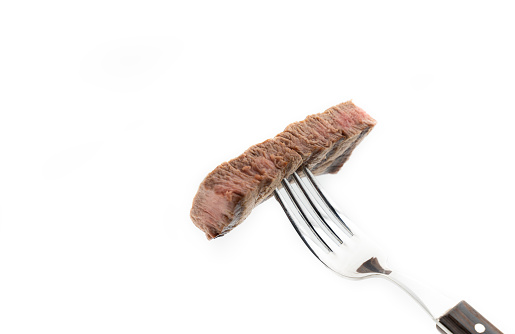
338, 244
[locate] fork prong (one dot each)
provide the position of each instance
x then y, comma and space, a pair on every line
299, 219
308, 212
281, 199
321, 216
327, 203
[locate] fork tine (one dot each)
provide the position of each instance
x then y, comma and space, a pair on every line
332, 209
297, 216
322, 219
280, 198
309, 213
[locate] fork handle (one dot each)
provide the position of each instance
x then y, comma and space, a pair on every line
463, 319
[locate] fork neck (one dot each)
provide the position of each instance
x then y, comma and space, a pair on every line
433, 301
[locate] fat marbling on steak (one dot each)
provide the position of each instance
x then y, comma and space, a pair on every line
321, 142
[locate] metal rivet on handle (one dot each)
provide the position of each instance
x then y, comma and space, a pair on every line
480, 328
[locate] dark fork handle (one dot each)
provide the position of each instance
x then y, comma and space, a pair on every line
463, 319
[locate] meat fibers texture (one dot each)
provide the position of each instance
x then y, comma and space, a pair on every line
321, 142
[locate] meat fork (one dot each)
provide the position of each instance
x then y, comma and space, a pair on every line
343, 248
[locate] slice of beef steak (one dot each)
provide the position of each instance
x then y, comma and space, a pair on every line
321, 142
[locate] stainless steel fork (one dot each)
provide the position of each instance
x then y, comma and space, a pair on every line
343, 248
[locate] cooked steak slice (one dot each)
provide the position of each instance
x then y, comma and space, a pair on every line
322, 142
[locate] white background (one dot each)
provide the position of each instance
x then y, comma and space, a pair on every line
112, 112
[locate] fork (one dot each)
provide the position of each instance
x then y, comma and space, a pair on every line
344, 249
